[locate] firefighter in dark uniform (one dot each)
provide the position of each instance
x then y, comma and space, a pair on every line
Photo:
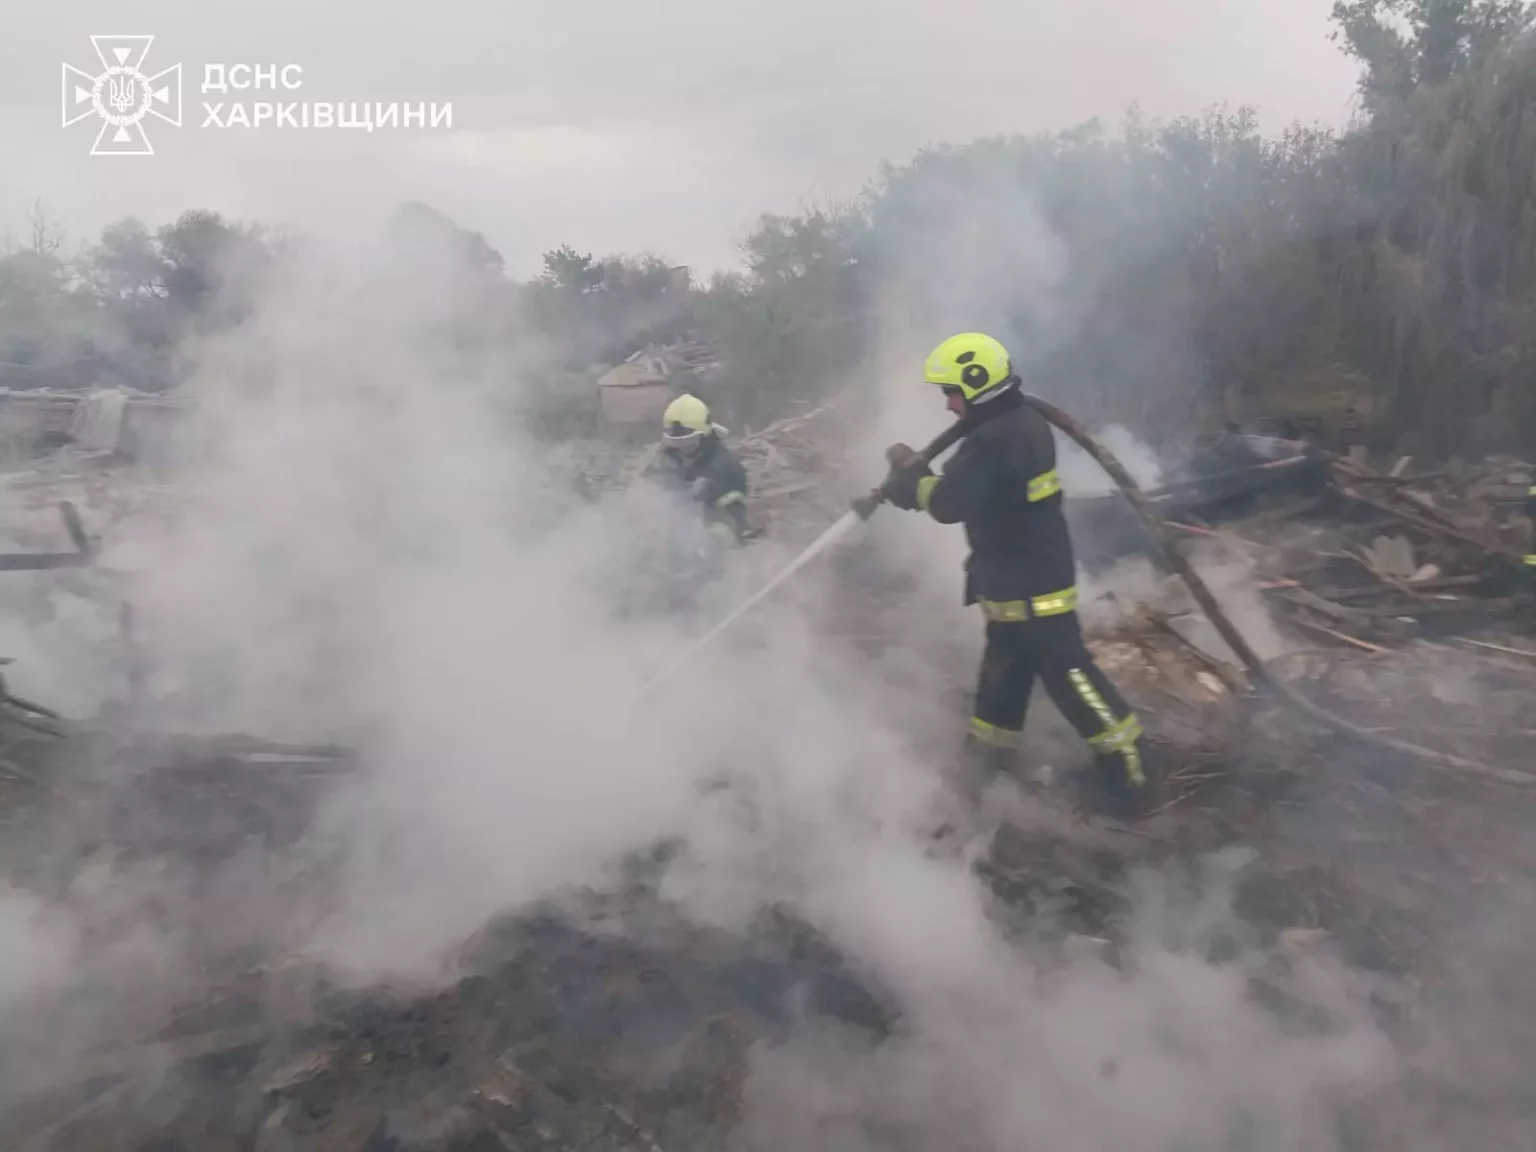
694, 459
1003, 487
696, 467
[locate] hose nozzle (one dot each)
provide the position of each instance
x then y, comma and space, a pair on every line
864, 507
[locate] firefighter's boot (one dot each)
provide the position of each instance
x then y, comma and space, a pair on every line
970, 775
1119, 786
980, 764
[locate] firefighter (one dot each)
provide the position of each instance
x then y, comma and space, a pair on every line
1003, 487
1530, 554
694, 458
693, 463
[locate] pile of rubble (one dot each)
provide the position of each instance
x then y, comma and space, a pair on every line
116, 420
1383, 558
801, 472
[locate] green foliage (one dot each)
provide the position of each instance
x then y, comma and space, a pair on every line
602, 310
1123, 269
117, 310
1166, 274
1175, 274
420, 233
1405, 44
793, 325
1444, 304
127, 264
570, 272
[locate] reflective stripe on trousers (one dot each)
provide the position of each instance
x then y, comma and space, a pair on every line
994, 737
1120, 734
1047, 646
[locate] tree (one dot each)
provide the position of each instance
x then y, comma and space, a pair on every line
45, 236
208, 260
1405, 44
46, 336
127, 264
794, 323
570, 271
420, 234
785, 249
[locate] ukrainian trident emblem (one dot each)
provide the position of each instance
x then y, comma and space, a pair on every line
122, 95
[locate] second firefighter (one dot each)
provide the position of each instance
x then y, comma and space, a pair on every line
1003, 487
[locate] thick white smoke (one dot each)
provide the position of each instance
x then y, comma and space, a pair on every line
372, 551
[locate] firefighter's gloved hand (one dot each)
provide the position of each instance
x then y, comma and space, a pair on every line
901, 487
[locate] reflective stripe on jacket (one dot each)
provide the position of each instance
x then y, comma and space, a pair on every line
1003, 487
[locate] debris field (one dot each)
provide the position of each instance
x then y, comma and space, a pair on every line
605, 1020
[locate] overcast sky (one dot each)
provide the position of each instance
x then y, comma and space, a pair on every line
619, 125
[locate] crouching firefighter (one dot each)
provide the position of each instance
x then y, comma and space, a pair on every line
1002, 486
696, 466
694, 459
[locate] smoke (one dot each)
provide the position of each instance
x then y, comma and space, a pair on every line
34, 949
997, 1051
1081, 475
371, 550
1002, 1044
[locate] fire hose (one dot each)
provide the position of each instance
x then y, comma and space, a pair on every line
1171, 556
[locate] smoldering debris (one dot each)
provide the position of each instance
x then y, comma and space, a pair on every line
624, 1014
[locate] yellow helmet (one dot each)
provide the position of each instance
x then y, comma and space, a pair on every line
975, 365
685, 422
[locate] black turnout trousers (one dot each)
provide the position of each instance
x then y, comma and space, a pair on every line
1051, 648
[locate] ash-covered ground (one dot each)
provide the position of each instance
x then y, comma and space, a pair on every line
1312, 944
